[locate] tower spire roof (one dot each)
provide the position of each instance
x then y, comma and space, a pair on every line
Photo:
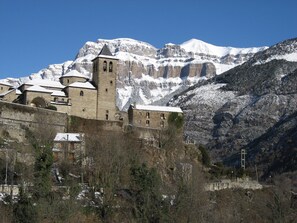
105, 51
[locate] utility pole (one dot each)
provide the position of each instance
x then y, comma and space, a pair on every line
242, 158
257, 173
6, 166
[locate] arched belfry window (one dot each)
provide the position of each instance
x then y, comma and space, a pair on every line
104, 66
110, 67
81, 93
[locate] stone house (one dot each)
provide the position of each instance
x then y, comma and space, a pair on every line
149, 116
69, 146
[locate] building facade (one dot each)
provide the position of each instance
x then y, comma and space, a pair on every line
149, 116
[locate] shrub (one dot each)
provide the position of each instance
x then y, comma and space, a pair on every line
176, 120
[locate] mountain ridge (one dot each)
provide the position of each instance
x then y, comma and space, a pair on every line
140, 60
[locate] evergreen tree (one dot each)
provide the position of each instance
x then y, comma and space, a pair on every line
42, 171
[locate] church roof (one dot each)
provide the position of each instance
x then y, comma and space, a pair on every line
105, 51
45, 83
86, 85
37, 88
74, 73
5, 83
157, 108
59, 94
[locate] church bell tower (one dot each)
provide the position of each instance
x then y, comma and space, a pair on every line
104, 79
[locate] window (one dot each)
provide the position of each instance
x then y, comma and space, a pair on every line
162, 116
147, 115
147, 123
110, 67
111, 83
1, 88
162, 124
104, 66
107, 111
81, 93
68, 81
106, 116
55, 99
106, 90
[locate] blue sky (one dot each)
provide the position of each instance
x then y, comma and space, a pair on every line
37, 33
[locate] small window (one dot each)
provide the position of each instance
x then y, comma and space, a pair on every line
55, 99
162, 116
1, 88
147, 123
107, 111
81, 93
62, 99
106, 90
147, 115
162, 124
110, 67
104, 66
68, 81
111, 83
106, 116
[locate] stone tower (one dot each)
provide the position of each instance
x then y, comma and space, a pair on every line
104, 79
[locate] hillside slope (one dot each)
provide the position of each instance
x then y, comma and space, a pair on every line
251, 106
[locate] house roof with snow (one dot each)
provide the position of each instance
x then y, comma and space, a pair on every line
74, 73
45, 83
59, 94
157, 108
68, 137
5, 83
18, 92
37, 88
86, 85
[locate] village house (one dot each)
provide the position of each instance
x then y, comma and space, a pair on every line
149, 116
69, 147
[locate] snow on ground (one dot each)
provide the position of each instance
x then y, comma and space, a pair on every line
207, 94
291, 57
198, 46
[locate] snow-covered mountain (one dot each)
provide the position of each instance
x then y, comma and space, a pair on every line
150, 75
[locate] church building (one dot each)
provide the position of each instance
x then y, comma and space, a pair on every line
76, 95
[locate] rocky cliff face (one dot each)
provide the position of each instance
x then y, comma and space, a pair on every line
252, 107
148, 74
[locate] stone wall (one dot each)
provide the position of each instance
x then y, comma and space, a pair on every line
237, 183
69, 80
148, 119
83, 102
11, 96
31, 95
15, 118
4, 88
